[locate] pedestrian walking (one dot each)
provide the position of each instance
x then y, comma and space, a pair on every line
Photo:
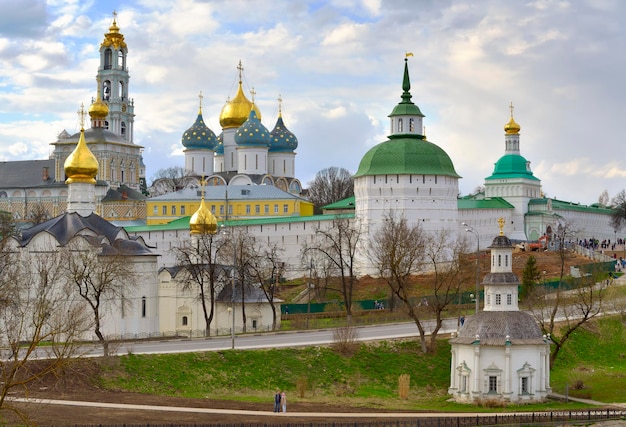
277, 397
283, 401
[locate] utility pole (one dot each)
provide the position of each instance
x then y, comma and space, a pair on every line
469, 229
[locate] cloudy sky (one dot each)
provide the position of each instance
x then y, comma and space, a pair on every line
338, 66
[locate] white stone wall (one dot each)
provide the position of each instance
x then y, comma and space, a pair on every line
508, 363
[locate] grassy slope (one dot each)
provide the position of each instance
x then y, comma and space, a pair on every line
596, 359
368, 378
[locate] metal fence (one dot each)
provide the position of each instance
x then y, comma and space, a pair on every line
515, 419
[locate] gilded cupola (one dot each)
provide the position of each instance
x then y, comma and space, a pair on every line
114, 38
237, 110
512, 128
98, 110
203, 221
81, 165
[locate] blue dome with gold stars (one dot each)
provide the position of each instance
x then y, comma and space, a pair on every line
281, 138
199, 136
219, 147
252, 133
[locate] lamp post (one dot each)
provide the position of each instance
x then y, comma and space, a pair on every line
308, 291
232, 333
469, 229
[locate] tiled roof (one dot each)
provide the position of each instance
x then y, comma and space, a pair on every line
235, 192
183, 223
488, 203
492, 328
27, 174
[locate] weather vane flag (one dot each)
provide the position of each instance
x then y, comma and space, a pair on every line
407, 54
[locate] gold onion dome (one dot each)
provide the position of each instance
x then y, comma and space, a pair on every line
203, 221
81, 165
98, 109
237, 110
512, 128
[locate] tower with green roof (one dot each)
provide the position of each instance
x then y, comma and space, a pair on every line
407, 174
513, 180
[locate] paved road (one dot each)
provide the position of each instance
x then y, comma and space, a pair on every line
270, 340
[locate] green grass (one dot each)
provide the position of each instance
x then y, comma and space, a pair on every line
594, 358
368, 378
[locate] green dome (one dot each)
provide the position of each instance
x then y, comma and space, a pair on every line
512, 166
406, 155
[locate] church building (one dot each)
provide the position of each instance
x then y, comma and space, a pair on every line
500, 353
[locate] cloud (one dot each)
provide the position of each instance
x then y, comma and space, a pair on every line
23, 21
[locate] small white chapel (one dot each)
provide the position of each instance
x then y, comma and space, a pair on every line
500, 353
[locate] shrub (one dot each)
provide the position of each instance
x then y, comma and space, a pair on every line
345, 340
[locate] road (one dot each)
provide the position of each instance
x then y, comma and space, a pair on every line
269, 340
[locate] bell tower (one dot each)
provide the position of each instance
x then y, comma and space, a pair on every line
113, 76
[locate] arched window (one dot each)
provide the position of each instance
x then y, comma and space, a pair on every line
120, 60
108, 59
121, 90
185, 321
123, 128
143, 307
106, 124
106, 90
411, 125
400, 125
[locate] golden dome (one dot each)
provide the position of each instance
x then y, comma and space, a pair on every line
81, 165
203, 221
512, 128
237, 110
98, 109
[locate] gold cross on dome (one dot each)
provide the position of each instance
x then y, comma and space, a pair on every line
240, 68
81, 115
511, 108
501, 224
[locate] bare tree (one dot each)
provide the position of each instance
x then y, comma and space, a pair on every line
7, 226
603, 199
618, 204
35, 309
330, 185
401, 251
170, 179
99, 278
449, 268
266, 267
240, 253
38, 213
199, 258
574, 302
338, 246
571, 305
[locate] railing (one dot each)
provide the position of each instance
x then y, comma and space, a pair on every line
427, 420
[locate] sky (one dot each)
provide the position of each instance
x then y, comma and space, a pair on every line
337, 65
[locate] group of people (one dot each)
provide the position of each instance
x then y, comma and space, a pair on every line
280, 401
